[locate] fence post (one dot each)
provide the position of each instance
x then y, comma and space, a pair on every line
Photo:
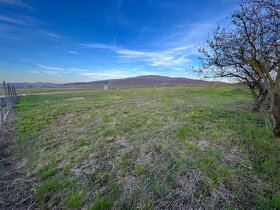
7, 102
15, 93
9, 96
1, 111
6, 93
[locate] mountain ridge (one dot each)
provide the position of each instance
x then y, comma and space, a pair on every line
143, 80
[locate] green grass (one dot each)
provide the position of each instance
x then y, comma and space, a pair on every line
32, 90
100, 204
73, 200
49, 187
149, 148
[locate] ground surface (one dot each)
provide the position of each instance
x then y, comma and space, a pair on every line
16, 188
35, 90
147, 148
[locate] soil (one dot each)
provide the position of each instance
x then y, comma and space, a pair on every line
16, 188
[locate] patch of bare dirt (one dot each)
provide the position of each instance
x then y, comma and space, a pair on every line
65, 119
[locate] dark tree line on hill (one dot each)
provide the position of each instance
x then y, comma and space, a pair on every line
249, 49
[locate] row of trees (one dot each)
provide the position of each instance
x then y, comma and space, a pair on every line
248, 49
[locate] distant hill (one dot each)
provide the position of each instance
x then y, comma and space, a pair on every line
33, 84
147, 80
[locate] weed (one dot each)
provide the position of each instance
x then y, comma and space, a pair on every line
47, 171
51, 185
139, 168
100, 203
73, 200
276, 200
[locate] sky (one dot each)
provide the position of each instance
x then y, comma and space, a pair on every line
64, 41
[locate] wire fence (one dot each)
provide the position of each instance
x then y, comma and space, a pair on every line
7, 102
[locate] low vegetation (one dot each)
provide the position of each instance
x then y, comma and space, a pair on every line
43, 90
149, 148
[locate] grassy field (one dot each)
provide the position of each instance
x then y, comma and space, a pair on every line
149, 148
34, 90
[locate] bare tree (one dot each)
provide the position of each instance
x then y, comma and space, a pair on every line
248, 49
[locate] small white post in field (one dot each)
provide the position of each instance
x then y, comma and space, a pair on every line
105, 87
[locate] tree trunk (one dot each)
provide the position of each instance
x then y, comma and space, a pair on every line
276, 115
276, 106
259, 101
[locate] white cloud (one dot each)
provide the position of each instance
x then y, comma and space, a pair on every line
51, 34
98, 45
172, 57
134, 53
72, 52
165, 58
50, 67
104, 74
79, 70
19, 20
101, 74
108, 74
53, 70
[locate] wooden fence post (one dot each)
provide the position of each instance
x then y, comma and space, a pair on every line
7, 102
1, 111
15, 93
9, 96
6, 93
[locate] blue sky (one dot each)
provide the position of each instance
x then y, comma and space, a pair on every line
82, 40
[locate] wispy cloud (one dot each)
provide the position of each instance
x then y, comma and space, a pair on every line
186, 33
112, 74
165, 58
19, 20
33, 72
11, 19
51, 70
72, 52
171, 57
51, 34
54, 70
16, 3
119, 73
78, 70
50, 67
98, 46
